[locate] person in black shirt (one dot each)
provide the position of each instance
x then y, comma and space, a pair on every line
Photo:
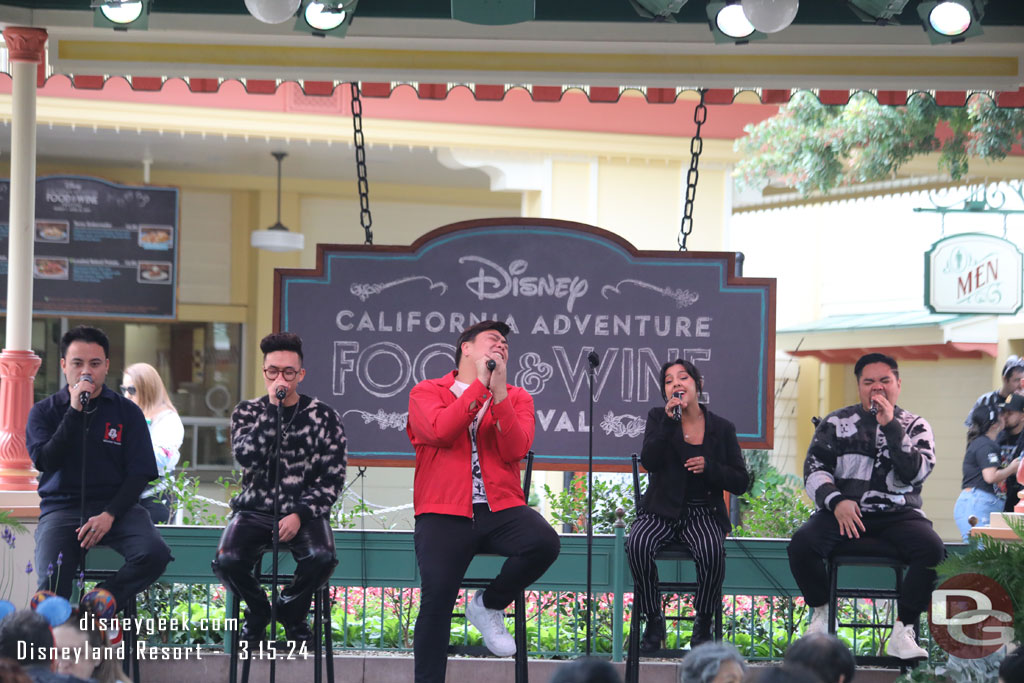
1011, 444
1013, 380
692, 455
981, 471
118, 463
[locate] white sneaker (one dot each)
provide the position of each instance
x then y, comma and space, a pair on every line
902, 644
491, 624
818, 622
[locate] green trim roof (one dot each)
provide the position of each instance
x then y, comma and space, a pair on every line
860, 321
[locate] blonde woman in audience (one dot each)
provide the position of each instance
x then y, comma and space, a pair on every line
89, 657
142, 385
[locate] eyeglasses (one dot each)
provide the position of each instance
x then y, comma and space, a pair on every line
127, 390
288, 373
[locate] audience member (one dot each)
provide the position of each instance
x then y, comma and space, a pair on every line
713, 663
824, 655
1012, 668
33, 632
787, 673
11, 672
87, 653
587, 670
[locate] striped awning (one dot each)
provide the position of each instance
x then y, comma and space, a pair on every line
554, 93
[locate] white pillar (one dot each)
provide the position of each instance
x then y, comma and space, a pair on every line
23, 201
18, 365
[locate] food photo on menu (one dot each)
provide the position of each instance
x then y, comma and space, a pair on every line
51, 268
52, 231
154, 272
155, 236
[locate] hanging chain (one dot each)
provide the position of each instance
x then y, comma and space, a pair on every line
364, 184
700, 115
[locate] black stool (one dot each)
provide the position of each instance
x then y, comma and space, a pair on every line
521, 659
863, 552
677, 552
130, 665
322, 643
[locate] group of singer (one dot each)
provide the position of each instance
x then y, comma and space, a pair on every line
98, 452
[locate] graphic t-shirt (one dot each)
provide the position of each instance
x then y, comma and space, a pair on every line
982, 453
479, 494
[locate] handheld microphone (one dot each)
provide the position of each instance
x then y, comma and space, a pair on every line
491, 364
677, 412
281, 393
874, 408
85, 395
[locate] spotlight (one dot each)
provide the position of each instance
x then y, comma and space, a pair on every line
326, 17
729, 24
951, 21
880, 12
770, 16
272, 11
121, 15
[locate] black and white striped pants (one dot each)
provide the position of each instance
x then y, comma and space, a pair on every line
699, 531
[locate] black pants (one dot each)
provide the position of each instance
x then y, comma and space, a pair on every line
157, 507
132, 535
908, 531
247, 536
446, 544
697, 530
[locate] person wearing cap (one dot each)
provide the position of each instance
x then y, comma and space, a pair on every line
982, 473
1013, 380
1011, 444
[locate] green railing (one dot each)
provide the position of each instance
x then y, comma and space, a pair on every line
376, 592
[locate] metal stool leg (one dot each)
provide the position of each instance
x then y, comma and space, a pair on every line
328, 603
317, 641
522, 662
833, 596
633, 654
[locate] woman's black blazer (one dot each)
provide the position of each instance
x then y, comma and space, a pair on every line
662, 457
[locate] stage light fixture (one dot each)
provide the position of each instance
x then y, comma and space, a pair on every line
272, 11
771, 16
659, 10
121, 15
880, 12
326, 17
729, 24
951, 21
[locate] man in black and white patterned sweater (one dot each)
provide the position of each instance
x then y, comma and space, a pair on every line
312, 476
864, 471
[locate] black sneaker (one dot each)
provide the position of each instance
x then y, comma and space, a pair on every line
654, 635
701, 630
253, 631
298, 633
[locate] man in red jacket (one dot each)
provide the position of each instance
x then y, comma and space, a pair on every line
470, 429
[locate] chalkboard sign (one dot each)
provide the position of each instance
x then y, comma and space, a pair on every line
101, 249
376, 320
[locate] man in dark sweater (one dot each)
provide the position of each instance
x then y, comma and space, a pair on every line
1013, 380
864, 470
312, 475
117, 461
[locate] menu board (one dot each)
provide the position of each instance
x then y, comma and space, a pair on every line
101, 249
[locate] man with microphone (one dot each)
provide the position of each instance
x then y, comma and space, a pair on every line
311, 477
864, 471
470, 430
92, 448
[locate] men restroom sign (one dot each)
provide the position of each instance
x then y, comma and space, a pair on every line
973, 273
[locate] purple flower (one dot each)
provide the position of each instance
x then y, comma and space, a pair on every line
49, 569
60, 558
81, 579
8, 536
28, 568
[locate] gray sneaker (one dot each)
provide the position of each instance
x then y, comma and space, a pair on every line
491, 624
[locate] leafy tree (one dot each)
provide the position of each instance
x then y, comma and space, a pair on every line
815, 147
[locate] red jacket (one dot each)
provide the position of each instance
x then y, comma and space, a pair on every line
439, 431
